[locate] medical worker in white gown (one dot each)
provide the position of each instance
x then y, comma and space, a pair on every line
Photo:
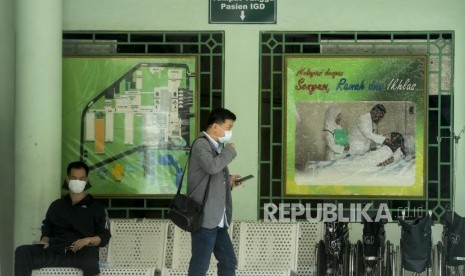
361, 135
335, 149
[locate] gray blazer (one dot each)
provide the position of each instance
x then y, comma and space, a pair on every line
205, 162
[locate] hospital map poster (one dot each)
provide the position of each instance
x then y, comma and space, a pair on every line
392, 162
131, 119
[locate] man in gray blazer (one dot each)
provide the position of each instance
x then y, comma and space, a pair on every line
210, 156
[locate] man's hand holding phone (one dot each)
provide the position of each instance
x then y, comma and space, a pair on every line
241, 180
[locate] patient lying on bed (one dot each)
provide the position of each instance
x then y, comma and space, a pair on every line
390, 151
389, 165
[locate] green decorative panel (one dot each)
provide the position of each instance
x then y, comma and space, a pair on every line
207, 46
438, 47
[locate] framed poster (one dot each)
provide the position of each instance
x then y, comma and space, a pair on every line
131, 119
355, 126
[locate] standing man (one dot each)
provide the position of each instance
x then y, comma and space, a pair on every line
209, 160
362, 133
73, 229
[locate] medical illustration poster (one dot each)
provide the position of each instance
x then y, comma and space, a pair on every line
355, 126
131, 119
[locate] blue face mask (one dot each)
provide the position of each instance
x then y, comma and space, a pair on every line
227, 137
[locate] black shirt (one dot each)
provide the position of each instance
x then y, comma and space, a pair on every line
65, 223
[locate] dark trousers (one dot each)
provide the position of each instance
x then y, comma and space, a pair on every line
30, 257
216, 240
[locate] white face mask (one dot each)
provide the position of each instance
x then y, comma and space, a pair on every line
227, 137
76, 186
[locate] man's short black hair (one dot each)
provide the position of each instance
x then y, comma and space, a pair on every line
219, 116
77, 165
379, 108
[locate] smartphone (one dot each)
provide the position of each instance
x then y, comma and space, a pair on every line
244, 178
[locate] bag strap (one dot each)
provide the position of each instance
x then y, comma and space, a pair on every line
185, 167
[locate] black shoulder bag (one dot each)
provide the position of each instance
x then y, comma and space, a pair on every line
184, 211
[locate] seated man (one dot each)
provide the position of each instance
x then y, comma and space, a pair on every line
73, 229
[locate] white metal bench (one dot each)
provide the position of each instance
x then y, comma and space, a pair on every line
267, 248
138, 245
153, 246
52, 271
310, 234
